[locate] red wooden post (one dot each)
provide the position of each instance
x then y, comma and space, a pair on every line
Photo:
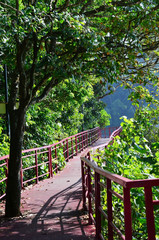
89, 195
82, 142
86, 139
67, 149
127, 214
149, 213
76, 145
105, 133
83, 186
79, 143
64, 149
91, 137
56, 158
21, 174
109, 207
97, 205
88, 156
50, 162
94, 136
6, 160
72, 147
36, 166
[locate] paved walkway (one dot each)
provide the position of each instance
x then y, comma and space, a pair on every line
52, 210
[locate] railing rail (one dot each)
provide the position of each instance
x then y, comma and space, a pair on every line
46, 160
92, 194
107, 131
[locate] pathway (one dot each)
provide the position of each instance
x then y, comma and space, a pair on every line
52, 209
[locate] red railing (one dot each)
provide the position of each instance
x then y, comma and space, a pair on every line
106, 132
94, 179
41, 162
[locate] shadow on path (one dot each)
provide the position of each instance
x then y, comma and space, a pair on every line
60, 217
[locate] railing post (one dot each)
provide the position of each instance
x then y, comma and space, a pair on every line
91, 137
97, 205
83, 185
105, 133
87, 139
56, 158
89, 195
50, 162
21, 174
67, 150
127, 214
76, 145
64, 149
109, 207
79, 143
82, 142
72, 147
6, 170
149, 213
94, 136
36, 166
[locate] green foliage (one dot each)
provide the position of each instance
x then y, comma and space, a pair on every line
54, 41
134, 154
4, 150
67, 110
103, 120
4, 140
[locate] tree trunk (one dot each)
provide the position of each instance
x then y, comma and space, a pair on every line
13, 193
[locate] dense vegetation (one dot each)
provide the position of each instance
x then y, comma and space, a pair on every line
49, 44
74, 109
135, 155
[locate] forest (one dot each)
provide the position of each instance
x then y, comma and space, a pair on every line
65, 59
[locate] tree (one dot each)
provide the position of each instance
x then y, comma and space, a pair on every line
45, 42
94, 114
62, 117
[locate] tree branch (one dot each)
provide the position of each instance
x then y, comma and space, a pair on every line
85, 6
108, 93
46, 90
64, 6
8, 6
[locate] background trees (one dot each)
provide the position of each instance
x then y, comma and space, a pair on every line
45, 43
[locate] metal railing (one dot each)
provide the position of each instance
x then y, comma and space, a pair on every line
107, 131
41, 162
94, 179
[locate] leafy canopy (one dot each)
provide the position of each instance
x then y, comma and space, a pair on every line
46, 42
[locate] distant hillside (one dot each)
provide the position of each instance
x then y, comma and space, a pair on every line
118, 105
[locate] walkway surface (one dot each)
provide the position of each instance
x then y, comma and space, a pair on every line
52, 209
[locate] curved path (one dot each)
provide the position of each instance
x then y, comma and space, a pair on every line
52, 209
